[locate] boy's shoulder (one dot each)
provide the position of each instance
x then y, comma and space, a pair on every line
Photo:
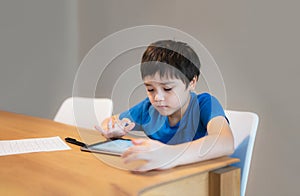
206, 98
203, 96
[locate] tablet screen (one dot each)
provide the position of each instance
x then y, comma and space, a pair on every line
115, 146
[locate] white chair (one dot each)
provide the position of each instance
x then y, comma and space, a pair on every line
244, 127
84, 112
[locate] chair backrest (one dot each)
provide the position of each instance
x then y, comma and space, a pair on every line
244, 127
84, 112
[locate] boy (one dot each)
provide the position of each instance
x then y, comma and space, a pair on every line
182, 127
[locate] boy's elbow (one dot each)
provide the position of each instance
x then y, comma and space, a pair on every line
231, 150
228, 141
229, 145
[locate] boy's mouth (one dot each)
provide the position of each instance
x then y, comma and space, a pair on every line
162, 106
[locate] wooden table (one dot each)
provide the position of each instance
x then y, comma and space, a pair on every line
73, 172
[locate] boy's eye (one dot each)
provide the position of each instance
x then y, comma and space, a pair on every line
167, 89
150, 90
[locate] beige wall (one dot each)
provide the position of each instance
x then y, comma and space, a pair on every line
38, 54
255, 44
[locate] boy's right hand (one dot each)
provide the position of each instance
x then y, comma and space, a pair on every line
112, 127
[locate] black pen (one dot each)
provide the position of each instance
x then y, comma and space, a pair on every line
74, 141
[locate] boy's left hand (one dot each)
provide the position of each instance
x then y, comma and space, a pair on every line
112, 127
156, 154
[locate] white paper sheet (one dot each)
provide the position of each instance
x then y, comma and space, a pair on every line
9, 147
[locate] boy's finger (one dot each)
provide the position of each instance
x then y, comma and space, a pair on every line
110, 124
98, 128
138, 141
129, 127
102, 131
125, 120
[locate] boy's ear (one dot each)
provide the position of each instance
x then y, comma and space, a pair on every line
193, 83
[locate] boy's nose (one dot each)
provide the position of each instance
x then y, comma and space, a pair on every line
159, 97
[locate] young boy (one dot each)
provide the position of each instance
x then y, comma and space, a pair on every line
182, 127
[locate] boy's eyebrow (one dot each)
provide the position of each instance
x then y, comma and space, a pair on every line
163, 83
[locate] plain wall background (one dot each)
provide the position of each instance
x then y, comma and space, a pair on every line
38, 54
255, 44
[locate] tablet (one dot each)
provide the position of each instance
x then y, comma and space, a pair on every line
112, 147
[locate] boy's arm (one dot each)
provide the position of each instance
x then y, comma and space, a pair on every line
218, 142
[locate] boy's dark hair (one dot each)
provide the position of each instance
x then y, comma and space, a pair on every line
165, 55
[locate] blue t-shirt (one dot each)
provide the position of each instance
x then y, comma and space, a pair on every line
202, 108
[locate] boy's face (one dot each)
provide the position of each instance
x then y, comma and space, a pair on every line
169, 96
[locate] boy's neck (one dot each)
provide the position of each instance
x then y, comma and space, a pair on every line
176, 117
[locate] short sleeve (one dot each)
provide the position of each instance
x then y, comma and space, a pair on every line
210, 107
